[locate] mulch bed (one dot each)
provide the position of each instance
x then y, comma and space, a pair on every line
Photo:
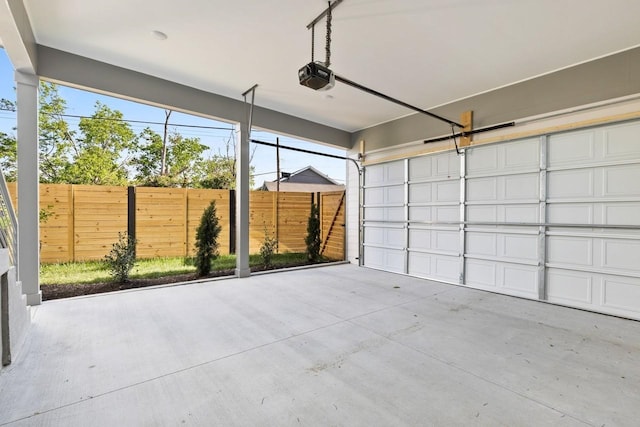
68, 290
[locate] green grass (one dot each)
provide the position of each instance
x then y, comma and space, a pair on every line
96, 271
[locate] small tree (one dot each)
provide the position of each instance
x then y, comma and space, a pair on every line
268, 248
122, 257
313, 234
207, 240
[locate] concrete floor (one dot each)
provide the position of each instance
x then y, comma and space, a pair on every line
337, 345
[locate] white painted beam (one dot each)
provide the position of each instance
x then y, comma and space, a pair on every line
81, 72
17, 36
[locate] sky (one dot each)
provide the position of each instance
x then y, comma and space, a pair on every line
82, 103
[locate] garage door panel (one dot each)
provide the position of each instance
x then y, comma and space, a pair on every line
509, 188
595, 146
503, 158
621, 254
621, 181
521, 187
622, 213
385, 174
569, 287
574, 251
420, 193
384, 195
438, 192
446, 213
482, 189
521, 279
482, 213
511, 279
447, 165
573, 148
517, 248
384, 259
384, 214
529, 213
484, 244
520, 247
436, 240
393, 237
447, 268
522, 213
420, 264
434, 266
420, 239
611, 213
447, 191
570, 184
565, 213
447, 241
523, 154
433, 167
622, 142
621, 293
481, 273
421, 213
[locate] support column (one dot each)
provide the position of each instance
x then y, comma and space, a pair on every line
28, 190
242, 201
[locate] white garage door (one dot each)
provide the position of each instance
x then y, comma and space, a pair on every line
434, 248
385, 237
503, 187
594, 178
554, 218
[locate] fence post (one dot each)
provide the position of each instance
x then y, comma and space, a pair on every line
232, 221
131, 212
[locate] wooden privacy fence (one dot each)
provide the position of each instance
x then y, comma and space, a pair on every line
84, 221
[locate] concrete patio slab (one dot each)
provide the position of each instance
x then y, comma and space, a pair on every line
338, 345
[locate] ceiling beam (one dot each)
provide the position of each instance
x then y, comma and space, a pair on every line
84, 73
17, 36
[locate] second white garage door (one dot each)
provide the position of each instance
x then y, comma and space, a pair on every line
554, 218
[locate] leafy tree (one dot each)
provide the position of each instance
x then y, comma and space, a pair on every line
102, 153
56, 142
312, 240
184, 155
8, 156
181, 157
219, 171
8, 146
207, 240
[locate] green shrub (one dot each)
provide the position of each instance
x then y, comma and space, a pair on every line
268, 249
122, 257
312, 239
207, 240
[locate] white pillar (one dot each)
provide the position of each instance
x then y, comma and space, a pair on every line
242, 201
28, 190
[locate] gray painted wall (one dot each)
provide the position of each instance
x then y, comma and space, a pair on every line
606, 78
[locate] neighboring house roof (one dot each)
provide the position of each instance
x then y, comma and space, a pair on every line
301, 187
309, 175
308, 180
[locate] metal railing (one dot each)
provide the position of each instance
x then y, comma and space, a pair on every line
8, 223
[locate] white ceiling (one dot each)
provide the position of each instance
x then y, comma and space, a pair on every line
424, 52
